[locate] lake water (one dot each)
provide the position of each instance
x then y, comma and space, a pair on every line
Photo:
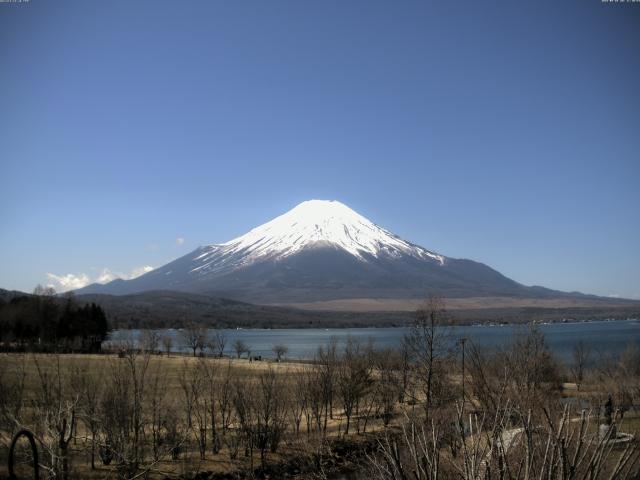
604, 337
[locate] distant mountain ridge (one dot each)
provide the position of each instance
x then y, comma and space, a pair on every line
322, 251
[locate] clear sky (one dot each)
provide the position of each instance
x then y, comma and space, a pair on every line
506, 132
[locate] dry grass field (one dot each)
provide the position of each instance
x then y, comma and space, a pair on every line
38, 369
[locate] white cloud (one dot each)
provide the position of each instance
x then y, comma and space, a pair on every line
70, 281
62, 283
136, 272
180, 241
106, 276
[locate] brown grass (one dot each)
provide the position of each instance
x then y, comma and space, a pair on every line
470, 303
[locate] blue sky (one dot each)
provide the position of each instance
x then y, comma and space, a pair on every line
505, 132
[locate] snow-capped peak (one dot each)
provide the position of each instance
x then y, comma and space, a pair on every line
309, 224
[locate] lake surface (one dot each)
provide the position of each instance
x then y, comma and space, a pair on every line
604, 337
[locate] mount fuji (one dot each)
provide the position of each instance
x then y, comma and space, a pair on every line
322, 251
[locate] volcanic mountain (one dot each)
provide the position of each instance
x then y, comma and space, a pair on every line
323, 251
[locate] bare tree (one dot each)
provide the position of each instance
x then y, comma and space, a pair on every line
489, 376
122, 411
280, 350
159, 409
56, 407
194, 337
388, 387
216, 343
581, 353
523, 371
240, 347
619, 377
533, 371
225, 397
327, 360
88, 386
353, 379
270, 409
244, 402
630, 361
316, 400
427, 344
298, 399
186, 381
150, 341
213, 384
167, 343
201, 404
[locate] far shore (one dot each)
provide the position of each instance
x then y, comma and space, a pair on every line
370, 305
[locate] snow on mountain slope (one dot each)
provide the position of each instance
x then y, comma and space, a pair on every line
311, 223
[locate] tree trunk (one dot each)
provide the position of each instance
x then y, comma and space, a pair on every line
93, 450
